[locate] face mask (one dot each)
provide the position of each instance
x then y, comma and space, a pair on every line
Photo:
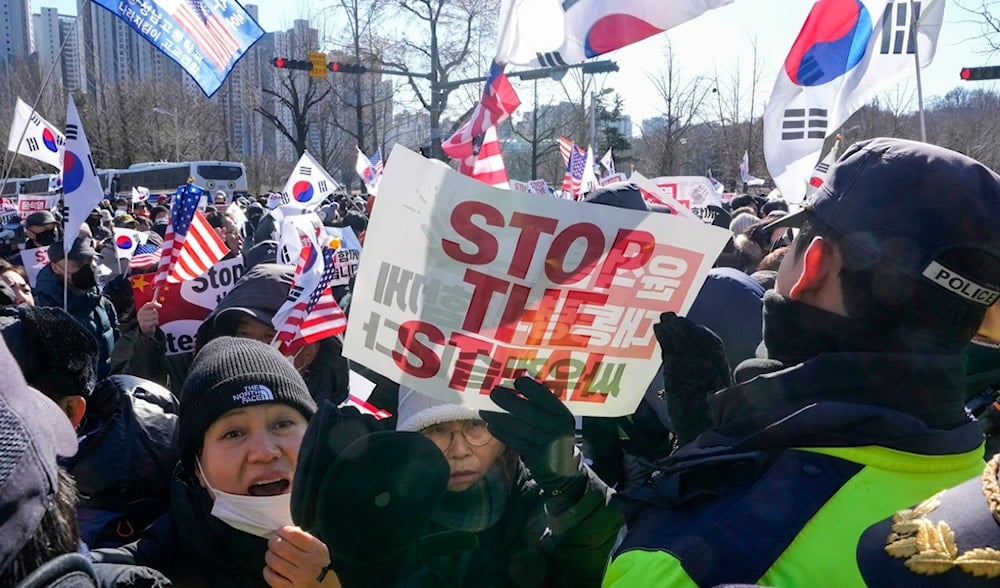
257, 515
46, 237
83, 278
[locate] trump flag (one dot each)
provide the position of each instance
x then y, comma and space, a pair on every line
847, 52
205, 37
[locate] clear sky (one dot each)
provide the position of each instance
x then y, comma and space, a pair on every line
718, 41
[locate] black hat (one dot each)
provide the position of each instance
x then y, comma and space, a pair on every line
905, 203
619, 194
263, 252
259, 293
56, 354
82, 251
229, 373
34, 433
37, 219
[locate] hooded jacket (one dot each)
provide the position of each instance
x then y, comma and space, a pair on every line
90, 308
830, 435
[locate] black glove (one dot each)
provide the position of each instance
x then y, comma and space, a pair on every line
540, 428
330, 430
694, 365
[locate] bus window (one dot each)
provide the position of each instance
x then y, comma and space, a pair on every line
220, 172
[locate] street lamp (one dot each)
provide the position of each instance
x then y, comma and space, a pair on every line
593, 113
177, 130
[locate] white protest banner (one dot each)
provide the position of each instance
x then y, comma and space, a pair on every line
33, 261
519, 186
28, 203
187, 304
610, 179
538, 187
465, 287
691, 191
657, 196
348, 248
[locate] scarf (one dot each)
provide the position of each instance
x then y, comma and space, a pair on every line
476, 508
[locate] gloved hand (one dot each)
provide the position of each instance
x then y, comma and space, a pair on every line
540, 428
694, 365
330, 431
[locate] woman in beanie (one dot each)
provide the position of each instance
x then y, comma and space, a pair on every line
243, 412
548, 527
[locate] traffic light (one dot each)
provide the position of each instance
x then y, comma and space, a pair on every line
338, 67
971, 74
285, 63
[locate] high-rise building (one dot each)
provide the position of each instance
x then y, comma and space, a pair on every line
15, 31
113, 53
56, 43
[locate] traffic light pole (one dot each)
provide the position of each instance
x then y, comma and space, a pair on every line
441, 89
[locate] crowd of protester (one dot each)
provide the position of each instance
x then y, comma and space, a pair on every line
819, 417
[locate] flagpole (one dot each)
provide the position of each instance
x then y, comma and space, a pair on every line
34, 106
916, 60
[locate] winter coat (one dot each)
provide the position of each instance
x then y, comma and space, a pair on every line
193, 548
91, 309
831, 435
125, 461
535, 542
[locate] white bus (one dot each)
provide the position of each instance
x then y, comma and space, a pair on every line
164, 178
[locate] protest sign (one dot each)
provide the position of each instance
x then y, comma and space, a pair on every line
538, 187
348, 253
658, 197
33, 261
617, 177
464, 287
28, 203
519, 186
187, 304
691, 191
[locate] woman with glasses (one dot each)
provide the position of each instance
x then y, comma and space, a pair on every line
525, 536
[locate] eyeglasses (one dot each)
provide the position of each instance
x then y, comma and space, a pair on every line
475, 432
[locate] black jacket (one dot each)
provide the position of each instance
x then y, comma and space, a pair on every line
192, 547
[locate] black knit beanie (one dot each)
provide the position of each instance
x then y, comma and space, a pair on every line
233, 372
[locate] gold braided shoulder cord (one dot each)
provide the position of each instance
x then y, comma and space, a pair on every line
930, 549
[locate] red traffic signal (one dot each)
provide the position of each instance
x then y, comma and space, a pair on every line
971, 74
285, 63
355, 68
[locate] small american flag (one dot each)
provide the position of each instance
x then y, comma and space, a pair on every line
574, 172
565, 149
498, 102
190, 245
317, 318
145, 256
486, 165
376, 160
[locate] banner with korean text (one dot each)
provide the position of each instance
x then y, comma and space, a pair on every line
492, 284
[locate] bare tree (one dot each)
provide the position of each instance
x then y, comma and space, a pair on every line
987, 14
298, 94
445, 46
683, 101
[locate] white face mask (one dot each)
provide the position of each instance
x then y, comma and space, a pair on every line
257, 515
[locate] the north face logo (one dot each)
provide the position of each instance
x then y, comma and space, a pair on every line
254, 393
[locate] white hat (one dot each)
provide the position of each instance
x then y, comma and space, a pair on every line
418, 411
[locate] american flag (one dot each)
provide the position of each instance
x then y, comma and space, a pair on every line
202, 26
574, 172
145, 256
190, 245
486, 165
376, 160
498, 102
317, 318
565, 148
